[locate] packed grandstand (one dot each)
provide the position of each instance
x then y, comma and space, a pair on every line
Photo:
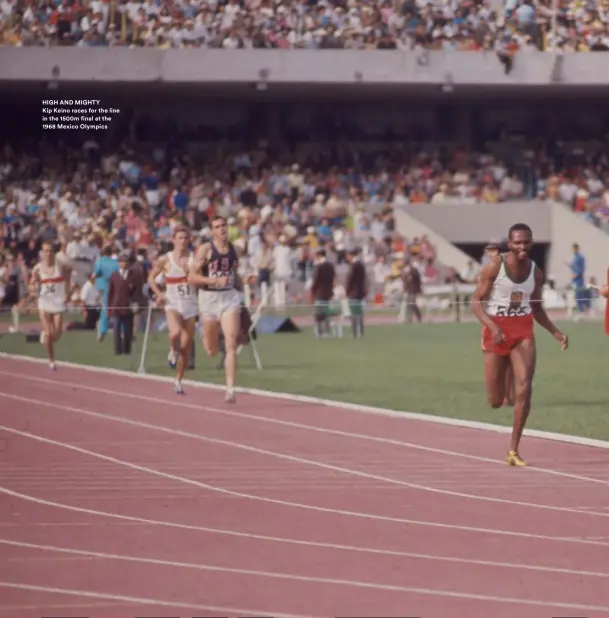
470, 25
296, 174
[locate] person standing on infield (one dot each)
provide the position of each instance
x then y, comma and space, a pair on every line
104, 268
322, 291
122, 304
510, 286
357, 290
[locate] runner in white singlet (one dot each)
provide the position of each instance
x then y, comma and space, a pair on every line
179, 300
51, 280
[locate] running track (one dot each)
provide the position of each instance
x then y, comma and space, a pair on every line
121, 500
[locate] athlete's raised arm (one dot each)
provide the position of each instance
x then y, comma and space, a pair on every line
487, 277
540, 315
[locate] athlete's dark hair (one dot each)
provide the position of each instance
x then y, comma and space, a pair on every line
179, 229
519, 227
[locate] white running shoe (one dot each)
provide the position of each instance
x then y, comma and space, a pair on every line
52, 367
178, 388
229, 396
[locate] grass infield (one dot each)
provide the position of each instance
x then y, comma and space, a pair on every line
433, 369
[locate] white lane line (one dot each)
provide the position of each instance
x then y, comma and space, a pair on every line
252, 417
450, 559
361, 585
402, 415
146, 601
285, 457
263, 499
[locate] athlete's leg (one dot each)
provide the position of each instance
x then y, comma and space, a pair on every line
211, 329
523, 358
221, 350
231, 322
495, 369
510, 392
186, 336
16, 311
46, 322
57, 321
174, 329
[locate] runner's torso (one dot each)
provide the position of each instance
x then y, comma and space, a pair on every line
509, 298
178, 291
52, 284
222, 265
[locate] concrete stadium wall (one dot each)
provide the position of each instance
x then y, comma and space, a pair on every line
479, 223
409, 227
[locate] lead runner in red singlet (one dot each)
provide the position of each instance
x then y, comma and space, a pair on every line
507, 301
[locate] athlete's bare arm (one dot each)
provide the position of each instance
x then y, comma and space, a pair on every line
483, 289
201, 258
540, 315
157, 269
34, 280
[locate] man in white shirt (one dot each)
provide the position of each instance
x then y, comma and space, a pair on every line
90, 300
282, 260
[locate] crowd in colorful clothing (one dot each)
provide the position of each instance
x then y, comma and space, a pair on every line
582, 25
130, 198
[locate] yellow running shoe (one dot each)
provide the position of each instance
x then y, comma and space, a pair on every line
514, 459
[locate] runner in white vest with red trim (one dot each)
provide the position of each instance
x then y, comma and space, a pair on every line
51, 281
179, 300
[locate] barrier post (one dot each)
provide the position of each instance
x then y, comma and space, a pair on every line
607, 309
142, 368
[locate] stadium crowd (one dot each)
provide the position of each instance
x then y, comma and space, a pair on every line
308, 24
325, 183
279, 216
281, 205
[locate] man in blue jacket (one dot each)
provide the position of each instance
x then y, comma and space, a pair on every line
104, 267
578, 279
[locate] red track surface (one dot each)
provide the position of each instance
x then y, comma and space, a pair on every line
121, 500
